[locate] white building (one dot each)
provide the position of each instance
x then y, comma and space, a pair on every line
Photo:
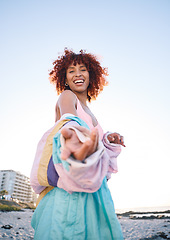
17, 185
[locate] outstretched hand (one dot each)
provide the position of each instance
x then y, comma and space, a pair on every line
73, 146
116, 138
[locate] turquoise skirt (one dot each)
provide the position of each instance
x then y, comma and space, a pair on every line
76, 216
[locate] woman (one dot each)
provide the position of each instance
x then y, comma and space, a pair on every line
77, 204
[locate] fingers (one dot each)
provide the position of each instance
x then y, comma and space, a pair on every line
116, 138
79, 150
122, 141
84, 130
83, 151
89, 146
73, 145
65, 153
94, 138
67, 133
113, 138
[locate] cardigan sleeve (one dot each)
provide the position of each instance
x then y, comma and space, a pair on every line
86, 176
71, 175
113, 150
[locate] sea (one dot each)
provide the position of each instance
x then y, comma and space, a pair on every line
144, 209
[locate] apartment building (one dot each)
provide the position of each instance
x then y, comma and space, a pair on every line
17, 185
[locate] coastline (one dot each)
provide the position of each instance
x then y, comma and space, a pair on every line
143, 209
145, 215
145, 223
17, 225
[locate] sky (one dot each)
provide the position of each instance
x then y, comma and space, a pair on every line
129, 37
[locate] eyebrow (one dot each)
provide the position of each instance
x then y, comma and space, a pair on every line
74, 67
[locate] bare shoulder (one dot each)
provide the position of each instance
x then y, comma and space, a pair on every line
67, 95
67, 103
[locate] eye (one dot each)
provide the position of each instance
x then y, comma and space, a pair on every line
71, 71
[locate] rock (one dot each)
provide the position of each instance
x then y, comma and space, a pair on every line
161, 216
163, 235
7, 226
4, 235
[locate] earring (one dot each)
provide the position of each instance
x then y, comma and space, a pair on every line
66, 84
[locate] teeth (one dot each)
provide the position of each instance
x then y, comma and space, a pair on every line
79, 81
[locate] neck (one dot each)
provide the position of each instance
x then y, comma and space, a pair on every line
82, 98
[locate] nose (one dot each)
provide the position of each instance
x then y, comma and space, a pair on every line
78, 73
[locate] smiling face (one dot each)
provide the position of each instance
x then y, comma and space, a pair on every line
77, 77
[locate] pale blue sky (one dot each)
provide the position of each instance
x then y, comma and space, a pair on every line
132, 39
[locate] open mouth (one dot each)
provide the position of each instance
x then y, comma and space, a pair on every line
78, 81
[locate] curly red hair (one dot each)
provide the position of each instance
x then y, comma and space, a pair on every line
97, 74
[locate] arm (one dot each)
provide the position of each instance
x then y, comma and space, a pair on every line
75, 176
43, 172
70, 174
67, 103
112, 143
87, 177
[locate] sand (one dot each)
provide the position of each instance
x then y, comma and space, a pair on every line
145, 229
20, 222
139, 229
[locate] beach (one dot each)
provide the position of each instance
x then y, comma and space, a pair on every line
145, 228
17, 225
